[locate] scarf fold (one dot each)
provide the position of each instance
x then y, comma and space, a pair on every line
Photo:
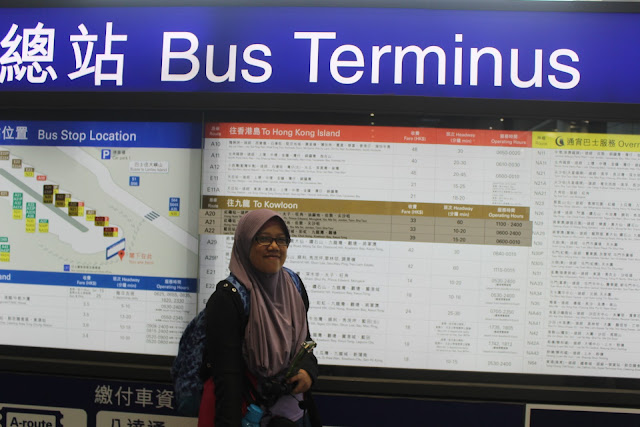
277, 324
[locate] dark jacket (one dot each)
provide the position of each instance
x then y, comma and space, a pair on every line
226, 323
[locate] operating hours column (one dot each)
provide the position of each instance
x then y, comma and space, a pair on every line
411, 248
503, 292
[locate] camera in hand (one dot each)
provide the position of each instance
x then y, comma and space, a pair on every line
271, 389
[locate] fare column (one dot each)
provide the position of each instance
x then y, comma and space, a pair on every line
88, 300
410, 266
411, 246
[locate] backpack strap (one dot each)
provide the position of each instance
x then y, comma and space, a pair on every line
244, 293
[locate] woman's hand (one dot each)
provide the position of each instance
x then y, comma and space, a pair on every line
303, 381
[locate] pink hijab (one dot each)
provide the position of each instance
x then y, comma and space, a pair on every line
277, 319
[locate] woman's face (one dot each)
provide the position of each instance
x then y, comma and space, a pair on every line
269, 258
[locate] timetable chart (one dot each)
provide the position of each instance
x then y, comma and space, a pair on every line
446, 249
419, 165
584, 255
400, 222
128, 314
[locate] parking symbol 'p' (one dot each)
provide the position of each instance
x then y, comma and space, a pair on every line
106, 154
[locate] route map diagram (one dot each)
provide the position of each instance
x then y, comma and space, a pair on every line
100, 232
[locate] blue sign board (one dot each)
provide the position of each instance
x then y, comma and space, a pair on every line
101, 134
174, 203
104, 281
558, 56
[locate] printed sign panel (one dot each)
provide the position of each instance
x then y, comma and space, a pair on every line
432, 53
88, 261
443, 249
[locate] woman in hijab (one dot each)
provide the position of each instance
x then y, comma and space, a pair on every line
264, 342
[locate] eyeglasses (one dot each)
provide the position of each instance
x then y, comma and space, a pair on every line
268, 240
